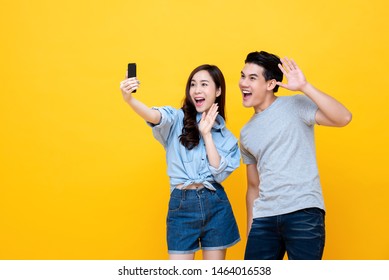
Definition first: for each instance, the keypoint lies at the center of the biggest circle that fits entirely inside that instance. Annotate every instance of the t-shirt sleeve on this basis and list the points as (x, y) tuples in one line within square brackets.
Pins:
[(306, 109), (247, 157)]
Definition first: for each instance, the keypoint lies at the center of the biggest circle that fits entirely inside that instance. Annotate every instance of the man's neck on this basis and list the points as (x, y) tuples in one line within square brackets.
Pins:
[(270, 98)]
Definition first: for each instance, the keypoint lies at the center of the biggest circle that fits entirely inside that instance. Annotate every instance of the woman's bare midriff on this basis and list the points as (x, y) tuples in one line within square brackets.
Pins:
[(190, 187)]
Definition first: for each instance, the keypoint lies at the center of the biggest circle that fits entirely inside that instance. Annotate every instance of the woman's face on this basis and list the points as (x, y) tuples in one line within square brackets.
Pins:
[(203, 91)]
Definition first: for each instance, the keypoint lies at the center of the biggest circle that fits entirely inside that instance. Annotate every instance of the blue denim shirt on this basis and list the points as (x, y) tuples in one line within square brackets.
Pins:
[(191, 166)]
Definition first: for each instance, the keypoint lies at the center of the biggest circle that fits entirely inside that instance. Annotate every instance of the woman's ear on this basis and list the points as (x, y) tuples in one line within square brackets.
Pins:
[(218, 92)]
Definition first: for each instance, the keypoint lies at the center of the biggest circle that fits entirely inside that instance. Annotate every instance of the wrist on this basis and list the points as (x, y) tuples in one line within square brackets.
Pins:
[(207, 136), (306, 88), (128, 98)]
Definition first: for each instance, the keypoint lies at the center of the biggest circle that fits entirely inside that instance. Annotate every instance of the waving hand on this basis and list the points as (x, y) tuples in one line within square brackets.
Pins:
[(295, 77)]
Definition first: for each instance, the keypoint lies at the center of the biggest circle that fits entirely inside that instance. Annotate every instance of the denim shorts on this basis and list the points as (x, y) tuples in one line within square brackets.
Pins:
[(200, 219), (301, 234)]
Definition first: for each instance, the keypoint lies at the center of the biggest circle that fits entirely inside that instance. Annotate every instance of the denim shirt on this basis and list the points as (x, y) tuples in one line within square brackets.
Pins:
[(192, 166)]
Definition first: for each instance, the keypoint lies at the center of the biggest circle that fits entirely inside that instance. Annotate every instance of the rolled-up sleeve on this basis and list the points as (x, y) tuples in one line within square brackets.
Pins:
[(229, 161), (162, 130)]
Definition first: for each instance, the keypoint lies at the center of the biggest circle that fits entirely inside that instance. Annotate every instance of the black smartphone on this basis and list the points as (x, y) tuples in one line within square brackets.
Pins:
[(131, 71)]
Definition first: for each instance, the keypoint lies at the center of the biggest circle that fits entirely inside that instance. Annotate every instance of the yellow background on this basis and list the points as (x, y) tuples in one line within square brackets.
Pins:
[(81, 176)]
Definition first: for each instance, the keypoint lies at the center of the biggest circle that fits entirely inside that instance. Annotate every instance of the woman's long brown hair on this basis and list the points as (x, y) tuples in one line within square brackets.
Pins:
[(190, 136)]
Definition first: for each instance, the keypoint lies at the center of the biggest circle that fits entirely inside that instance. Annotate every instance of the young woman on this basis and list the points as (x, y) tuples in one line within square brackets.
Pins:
[(200, 153)]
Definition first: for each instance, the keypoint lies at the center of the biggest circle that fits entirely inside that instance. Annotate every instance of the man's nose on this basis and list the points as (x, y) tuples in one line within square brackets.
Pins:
[(242, 82)]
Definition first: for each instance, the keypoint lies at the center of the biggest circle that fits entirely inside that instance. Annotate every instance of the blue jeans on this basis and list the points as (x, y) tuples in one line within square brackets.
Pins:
[(200, 219), (301, 234)]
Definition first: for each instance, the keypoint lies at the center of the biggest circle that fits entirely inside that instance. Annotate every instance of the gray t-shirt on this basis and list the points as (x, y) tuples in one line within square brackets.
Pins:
[(280, 141)]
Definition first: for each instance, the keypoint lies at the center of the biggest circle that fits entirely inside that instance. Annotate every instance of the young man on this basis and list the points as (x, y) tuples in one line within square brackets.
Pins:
[(285, 207)]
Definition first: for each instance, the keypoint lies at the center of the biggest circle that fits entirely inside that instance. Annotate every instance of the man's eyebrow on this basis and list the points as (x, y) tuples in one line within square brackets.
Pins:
[(250, 75)]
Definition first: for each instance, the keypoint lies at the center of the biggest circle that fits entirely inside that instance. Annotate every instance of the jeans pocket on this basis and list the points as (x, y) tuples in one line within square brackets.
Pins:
[(221, 195), (314, 211), (174, 204)]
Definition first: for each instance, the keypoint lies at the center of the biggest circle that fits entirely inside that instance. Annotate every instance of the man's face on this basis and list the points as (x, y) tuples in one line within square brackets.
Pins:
[(254, 88)]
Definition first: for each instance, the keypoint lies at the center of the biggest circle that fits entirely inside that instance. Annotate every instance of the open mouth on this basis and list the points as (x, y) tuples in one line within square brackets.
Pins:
[(246, 94), (199, 101)]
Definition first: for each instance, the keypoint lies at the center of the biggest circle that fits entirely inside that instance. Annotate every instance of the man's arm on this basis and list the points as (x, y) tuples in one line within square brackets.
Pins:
[(252, 192), (330, 111)]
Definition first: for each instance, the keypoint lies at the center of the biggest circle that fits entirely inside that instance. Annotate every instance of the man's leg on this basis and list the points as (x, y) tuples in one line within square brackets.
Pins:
[(264, 241), (304, 234)]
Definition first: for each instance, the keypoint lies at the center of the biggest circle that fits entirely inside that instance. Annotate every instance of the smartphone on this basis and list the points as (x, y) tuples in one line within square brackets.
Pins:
[(131, 71)]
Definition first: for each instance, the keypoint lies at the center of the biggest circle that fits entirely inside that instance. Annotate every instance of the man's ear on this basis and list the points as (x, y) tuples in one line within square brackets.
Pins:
[(271, 84)]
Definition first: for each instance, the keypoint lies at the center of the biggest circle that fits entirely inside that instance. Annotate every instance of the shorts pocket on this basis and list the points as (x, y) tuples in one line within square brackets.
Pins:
[(174, 203), (221, 195)]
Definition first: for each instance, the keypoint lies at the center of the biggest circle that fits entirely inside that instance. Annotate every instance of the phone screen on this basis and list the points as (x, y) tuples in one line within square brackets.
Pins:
[(131, 70)]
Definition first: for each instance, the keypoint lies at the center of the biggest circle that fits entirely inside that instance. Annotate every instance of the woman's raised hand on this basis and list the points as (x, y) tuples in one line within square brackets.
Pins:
[(128, 86), (208, 119)]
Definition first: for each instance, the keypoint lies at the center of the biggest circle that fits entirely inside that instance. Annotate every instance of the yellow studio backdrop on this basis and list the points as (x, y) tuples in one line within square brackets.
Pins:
[(81, 176)]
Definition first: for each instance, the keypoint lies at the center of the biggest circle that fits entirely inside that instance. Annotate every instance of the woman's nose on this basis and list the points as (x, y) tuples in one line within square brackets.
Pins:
[(197, 90)]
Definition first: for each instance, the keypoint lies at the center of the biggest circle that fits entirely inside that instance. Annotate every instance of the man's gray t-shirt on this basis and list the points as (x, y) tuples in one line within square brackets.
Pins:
[(280, 141)]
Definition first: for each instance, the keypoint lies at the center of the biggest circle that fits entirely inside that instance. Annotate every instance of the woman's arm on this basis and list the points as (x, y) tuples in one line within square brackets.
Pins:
[(221, 163), (205, 126), (128, 86)]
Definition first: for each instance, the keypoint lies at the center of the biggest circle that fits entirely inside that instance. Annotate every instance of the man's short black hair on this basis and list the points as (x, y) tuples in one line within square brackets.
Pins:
[(269, 62)]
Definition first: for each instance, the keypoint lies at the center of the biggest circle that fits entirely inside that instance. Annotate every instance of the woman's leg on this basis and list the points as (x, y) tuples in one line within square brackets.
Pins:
[(181, 256), (183, 225), (214, 254)]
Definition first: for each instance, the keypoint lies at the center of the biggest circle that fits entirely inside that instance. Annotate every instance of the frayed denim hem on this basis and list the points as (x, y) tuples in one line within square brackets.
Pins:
[(183, 252), (221, 247)]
